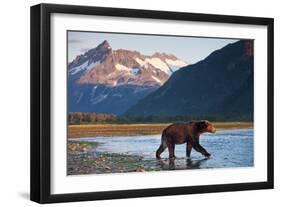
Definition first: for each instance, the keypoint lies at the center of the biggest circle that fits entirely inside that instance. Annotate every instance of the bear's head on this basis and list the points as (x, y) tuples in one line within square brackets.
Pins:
[(205, 126)]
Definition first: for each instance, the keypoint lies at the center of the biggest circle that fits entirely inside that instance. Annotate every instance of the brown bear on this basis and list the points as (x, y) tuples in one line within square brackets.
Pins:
[(188, 133)]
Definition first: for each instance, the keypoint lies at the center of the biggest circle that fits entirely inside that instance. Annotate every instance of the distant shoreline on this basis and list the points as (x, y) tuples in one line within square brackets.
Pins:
[(108, 130)]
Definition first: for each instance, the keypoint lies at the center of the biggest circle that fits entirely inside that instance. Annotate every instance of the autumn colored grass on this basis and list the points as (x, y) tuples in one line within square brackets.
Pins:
[(107, 130)]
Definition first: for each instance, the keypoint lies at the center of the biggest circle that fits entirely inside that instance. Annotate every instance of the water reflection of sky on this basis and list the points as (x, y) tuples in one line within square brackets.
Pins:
[(229, 148)]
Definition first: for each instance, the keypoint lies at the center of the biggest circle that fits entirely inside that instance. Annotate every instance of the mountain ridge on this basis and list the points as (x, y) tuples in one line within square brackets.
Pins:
[(220, 84), (103, 65)]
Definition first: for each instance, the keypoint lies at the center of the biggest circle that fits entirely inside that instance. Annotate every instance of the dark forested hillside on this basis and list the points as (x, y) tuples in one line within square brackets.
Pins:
[(221, 84)]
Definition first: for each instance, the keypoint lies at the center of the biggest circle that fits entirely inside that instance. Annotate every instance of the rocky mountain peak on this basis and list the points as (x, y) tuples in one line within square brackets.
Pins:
[(102, 65), (164, 56), (104, 44)]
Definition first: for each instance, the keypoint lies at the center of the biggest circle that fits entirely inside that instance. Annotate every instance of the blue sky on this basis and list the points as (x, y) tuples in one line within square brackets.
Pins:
[(189, 49)]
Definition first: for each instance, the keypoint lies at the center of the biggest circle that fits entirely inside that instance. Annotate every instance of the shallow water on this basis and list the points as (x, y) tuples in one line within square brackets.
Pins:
[(228, 148)]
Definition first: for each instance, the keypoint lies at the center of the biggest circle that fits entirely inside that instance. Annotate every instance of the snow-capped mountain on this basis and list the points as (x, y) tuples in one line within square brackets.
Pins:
[(102, 65), (104, 80)]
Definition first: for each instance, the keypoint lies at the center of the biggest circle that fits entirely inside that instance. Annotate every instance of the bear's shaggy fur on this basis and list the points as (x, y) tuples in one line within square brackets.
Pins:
[(188, 133)]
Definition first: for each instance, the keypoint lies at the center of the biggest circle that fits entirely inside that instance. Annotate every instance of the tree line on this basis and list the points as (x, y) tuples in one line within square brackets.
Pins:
[(89, 118), (94, 118)]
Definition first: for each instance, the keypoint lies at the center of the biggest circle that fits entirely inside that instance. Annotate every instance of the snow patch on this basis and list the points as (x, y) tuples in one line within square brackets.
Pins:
[(84, 66), (157, 80), (114, 83), (157, 63), (122, 67), (92, 65), (174, 65), (99, 99), (80, 97), (139, 61), (94, 90), (179, 63), (135, 71), (168, 66), (142, 63), (79, 68)]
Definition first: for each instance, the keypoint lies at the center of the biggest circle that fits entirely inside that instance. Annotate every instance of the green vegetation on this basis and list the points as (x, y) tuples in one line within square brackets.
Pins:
[(89, 118), (94, 118)]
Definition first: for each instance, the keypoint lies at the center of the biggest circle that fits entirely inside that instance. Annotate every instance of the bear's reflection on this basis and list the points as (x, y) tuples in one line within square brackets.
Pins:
[(180, 164)]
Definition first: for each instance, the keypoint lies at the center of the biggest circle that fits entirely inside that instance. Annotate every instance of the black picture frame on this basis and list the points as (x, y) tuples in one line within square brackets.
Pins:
[(41, 98)]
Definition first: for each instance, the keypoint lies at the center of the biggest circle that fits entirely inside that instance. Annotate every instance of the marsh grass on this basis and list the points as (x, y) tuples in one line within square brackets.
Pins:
[(109, 130)]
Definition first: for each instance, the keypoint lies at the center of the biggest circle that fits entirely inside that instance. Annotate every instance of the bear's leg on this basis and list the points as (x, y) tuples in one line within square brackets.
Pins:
[(201, 149), (188, 149), (171, 148), (160, 150)]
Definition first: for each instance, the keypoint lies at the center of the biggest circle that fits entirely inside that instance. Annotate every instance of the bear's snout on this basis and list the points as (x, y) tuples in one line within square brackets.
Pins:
[(211, 129)]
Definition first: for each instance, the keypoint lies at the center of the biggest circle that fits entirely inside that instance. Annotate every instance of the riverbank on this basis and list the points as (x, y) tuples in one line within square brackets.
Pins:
[(109, 130), (228, 148), (82, 158)]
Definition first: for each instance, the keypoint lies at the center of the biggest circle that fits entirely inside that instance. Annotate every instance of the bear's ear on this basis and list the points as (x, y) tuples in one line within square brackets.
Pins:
[(201, 125)]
